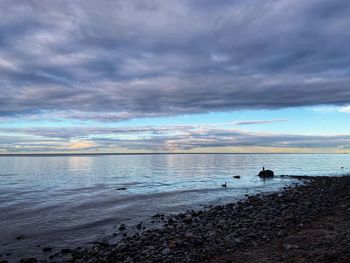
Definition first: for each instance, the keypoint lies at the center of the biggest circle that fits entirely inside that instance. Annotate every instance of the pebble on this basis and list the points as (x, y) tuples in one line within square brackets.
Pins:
[(20, 237), (47, 249), (189, 235), (289, 246), (165, 251), (66, 251), (28, 260)]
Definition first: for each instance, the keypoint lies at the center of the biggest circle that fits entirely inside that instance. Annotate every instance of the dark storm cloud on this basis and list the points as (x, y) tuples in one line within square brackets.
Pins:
[(115, 60), (167, 138)]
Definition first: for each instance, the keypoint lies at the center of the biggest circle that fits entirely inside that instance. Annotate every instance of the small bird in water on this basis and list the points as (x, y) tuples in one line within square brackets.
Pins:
[(224, 185)]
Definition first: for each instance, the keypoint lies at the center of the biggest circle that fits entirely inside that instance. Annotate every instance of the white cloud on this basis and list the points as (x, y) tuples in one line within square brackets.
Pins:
[(345, 109)]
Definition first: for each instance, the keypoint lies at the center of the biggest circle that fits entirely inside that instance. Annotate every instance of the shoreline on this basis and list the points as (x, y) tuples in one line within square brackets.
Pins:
[(236, 231)]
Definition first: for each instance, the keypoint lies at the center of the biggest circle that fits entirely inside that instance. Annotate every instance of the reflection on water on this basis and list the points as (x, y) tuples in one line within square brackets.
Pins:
[(79, 163), (69, 200)]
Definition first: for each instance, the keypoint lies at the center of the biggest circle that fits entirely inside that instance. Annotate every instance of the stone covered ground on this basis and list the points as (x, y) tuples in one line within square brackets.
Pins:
[(306, 223)]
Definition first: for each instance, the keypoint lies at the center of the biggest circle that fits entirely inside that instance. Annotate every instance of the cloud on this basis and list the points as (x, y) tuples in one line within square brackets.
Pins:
[(164, 139), (330, 109), (251, 122), (117, 60), (345, 109)]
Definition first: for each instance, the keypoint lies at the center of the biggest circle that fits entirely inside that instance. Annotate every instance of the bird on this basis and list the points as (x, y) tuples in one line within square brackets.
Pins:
[(224, 185)]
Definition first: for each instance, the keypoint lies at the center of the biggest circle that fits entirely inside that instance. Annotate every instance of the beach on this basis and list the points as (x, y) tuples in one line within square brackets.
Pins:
[(308, 222)]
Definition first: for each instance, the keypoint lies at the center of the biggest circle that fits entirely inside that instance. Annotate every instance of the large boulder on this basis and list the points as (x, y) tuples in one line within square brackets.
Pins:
[(266, 174)]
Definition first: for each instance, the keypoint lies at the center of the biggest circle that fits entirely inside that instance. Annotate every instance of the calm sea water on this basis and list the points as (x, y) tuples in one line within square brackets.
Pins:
[(72, 200)]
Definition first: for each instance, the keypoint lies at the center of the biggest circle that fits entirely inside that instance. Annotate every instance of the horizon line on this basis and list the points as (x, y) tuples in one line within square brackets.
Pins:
[(155, 153)]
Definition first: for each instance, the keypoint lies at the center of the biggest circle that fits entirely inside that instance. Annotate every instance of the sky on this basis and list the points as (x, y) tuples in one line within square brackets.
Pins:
[(174, 76)]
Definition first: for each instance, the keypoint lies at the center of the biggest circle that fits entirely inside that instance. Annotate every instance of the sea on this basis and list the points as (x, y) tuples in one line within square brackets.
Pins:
[(74, 200)]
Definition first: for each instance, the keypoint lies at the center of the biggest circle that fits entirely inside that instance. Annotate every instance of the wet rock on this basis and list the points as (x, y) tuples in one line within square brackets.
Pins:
[(66, 250), (212, 234), (28, 260), (266, 174), (165, 251), (20, 237), (188, 219), (172, 244), (156, 215), (47, 249), (122, 227)]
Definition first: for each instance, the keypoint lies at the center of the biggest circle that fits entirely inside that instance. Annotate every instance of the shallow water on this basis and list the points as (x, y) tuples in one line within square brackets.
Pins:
[(72, 200)]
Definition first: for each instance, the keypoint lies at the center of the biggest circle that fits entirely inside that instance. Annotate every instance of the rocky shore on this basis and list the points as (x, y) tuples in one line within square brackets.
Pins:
[(309, 222)]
